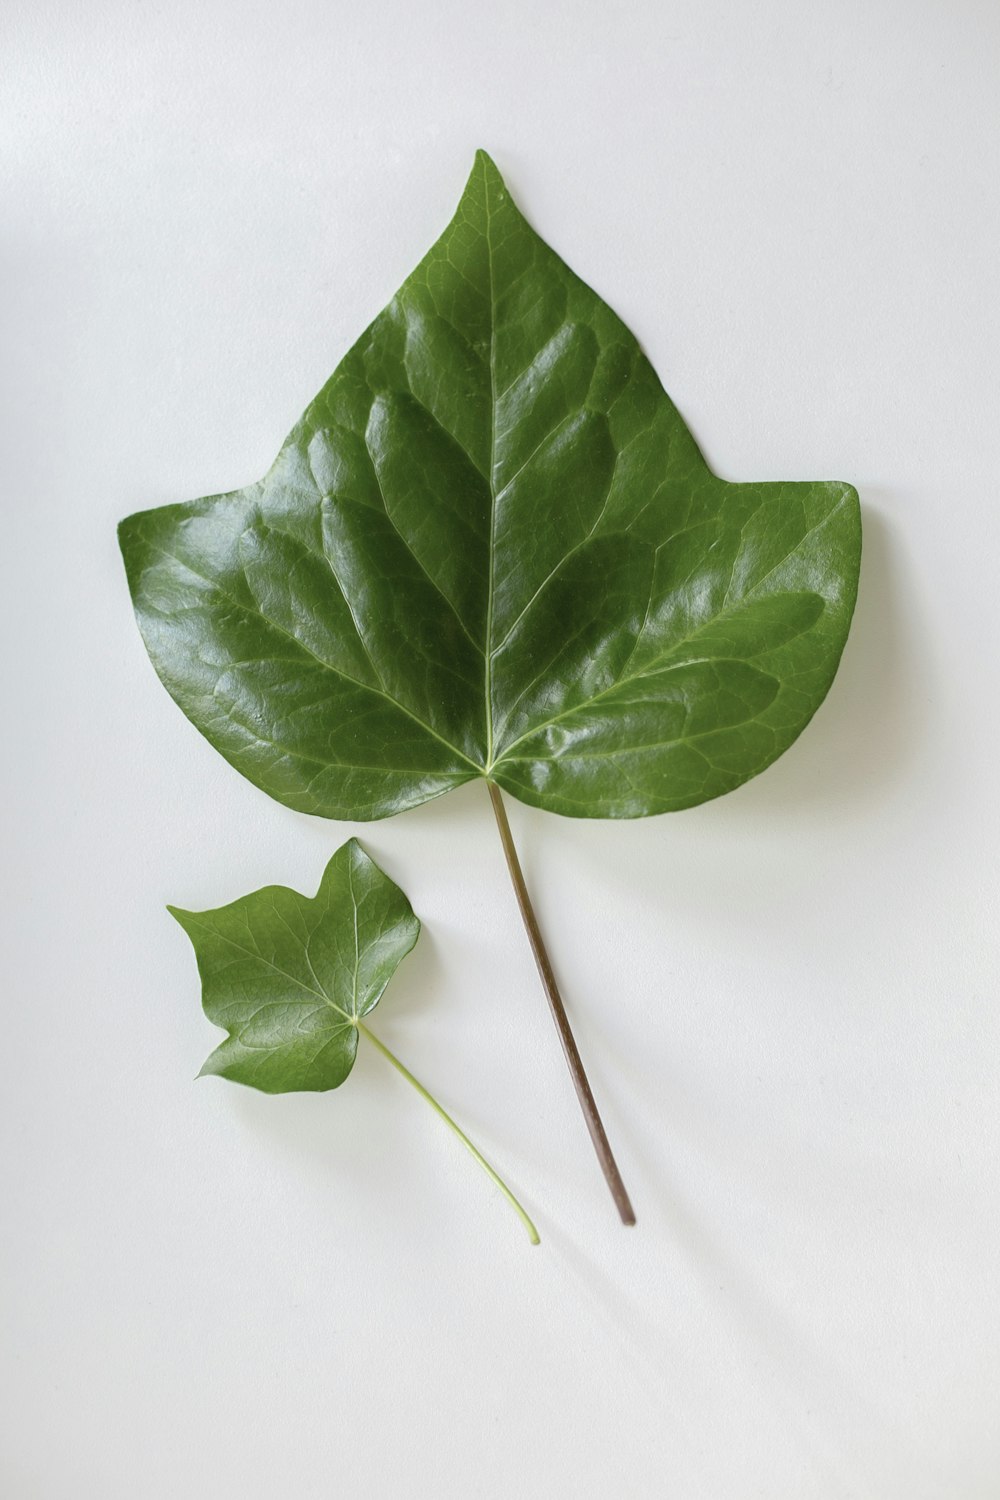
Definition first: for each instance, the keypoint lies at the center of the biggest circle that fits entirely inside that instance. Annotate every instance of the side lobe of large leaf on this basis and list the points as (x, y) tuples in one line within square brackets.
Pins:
[(289, 976), (492, 547)]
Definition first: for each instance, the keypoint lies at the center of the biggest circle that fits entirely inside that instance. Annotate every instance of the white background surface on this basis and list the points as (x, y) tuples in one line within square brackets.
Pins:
[(787, 998)]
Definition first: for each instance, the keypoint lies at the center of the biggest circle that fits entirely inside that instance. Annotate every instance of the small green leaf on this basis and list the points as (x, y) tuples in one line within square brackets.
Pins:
[(290, 977), (491, 548)]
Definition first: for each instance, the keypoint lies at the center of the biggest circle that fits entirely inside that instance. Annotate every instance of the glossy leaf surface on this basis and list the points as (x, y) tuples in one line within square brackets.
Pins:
[(491, 547), (290, 976)]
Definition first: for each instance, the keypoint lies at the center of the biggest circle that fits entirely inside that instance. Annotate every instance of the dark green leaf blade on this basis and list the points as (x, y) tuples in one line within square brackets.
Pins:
[(288, 976), (491, 547)]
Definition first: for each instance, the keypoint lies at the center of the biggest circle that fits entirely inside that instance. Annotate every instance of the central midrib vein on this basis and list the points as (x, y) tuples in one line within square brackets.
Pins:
[(492, 482)]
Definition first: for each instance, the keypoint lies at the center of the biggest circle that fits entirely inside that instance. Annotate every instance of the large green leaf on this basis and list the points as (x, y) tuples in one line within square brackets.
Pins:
[(292, 977), (491, 547)]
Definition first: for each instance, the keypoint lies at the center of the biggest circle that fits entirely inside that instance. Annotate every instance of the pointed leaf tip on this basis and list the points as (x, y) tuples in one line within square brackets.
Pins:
[(486, 169)]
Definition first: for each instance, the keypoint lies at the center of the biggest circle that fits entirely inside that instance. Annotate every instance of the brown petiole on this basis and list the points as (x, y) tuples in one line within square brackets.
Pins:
[(583, 1090)]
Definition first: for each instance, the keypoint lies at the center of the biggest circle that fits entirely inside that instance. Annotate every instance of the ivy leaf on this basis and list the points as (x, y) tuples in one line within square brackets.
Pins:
[(291, 977), (491, 548)]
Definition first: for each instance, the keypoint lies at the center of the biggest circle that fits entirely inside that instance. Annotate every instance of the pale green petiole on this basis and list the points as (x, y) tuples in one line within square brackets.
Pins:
[(446, 1117)]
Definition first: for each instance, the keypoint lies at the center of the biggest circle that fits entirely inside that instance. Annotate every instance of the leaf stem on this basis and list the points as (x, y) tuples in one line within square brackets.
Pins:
[(446, 1117), (584, 1093)]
